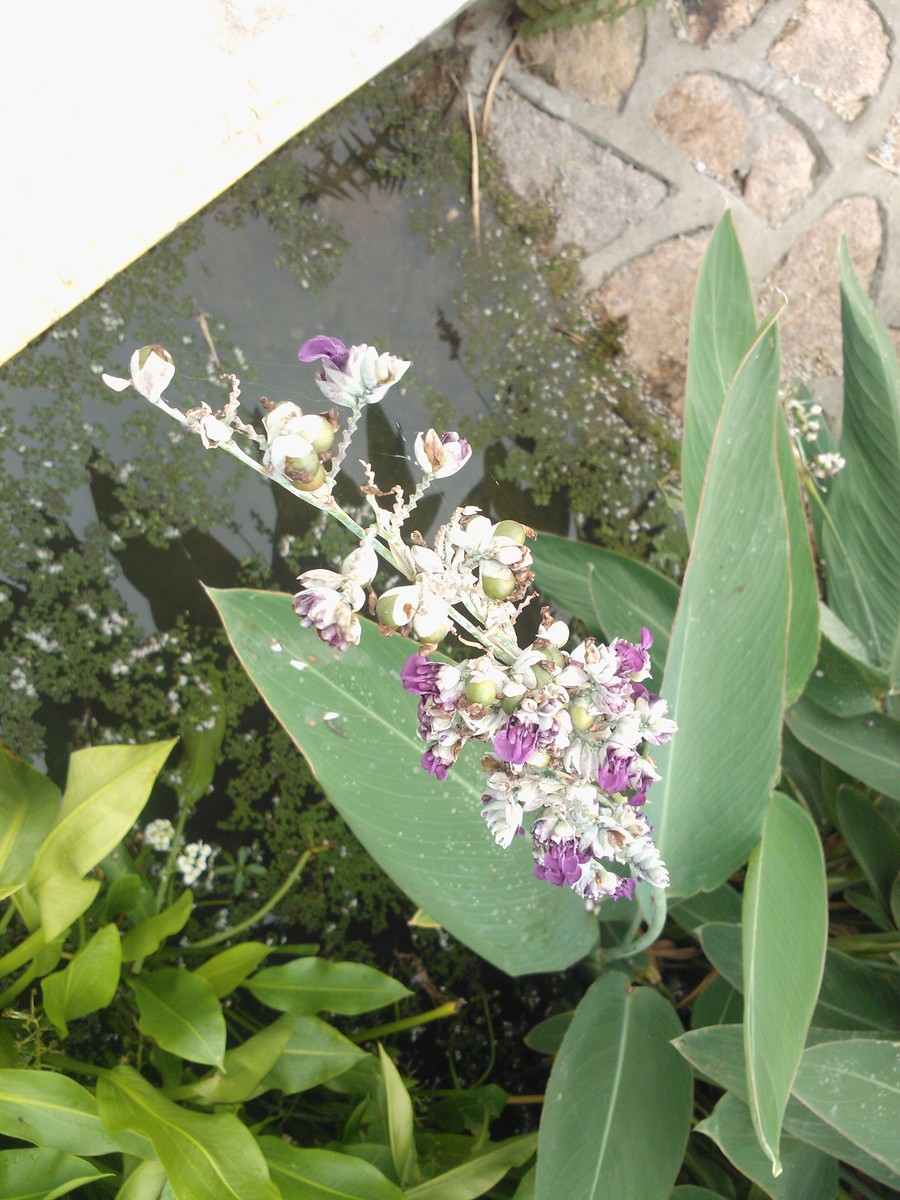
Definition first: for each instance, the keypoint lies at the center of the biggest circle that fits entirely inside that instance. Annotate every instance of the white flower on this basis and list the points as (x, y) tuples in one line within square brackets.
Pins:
[(158, 834)]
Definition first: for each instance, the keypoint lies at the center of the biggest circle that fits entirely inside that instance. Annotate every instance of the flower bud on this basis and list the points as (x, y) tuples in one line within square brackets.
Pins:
[(441, 456), (539, 759), (430, 624), (318, 431), (361, 565), (292, 455), (581, 718), (396, 606)]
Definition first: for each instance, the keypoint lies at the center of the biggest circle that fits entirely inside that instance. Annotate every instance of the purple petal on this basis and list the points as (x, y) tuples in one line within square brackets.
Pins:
[(322, 346), (419, 675), (515, 743)]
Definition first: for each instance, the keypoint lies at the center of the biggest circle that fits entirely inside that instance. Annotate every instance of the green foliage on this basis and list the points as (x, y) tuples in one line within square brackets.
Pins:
[(543, 15)]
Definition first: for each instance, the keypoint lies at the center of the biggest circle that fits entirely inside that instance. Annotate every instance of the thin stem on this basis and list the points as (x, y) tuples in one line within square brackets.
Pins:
[(654, 929), (8, 915), (225, 934), (404, 1023), (22, 953), (18, 987), (53, 1058), (343, 446)]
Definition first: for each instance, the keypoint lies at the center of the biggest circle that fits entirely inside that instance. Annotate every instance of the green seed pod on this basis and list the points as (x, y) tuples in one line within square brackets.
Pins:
[(308, 481), (497, 581), (581, 718), (481, 691), (512, 530), (509, 704)]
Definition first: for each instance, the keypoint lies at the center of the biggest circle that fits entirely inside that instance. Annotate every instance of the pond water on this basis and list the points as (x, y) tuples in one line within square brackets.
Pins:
[(110, 518)]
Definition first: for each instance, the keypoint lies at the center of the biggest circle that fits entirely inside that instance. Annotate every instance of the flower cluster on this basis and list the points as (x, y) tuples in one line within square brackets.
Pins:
[(193, 861), (566, 731)]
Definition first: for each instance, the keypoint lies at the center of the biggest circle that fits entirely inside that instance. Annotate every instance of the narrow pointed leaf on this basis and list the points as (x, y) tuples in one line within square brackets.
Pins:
[(785, 929), (854, 1086), (314, 1053), (863, 552), (400, 1125), (723, 326), (29, 802), (88, 983), (873, 841), (54, 1111), (726, 668), (324, 1175), (311, 985), (807, 1175), (182, 1015), (246, 1066), (146, 1182), (428, 836), (106, 790), (476, 1176), (616, 1052), (205, 1157)]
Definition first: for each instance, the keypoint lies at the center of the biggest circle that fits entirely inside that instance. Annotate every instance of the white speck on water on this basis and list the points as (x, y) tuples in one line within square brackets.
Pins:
[(275, 645), (300, 666)]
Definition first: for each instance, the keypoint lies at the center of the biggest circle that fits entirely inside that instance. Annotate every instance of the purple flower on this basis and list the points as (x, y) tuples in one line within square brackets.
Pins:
[(613, 775), (561, 863), (625, 890), (515, 742), (323, 609), (419, 675), (433, 765), (321, 346), (634, 658)]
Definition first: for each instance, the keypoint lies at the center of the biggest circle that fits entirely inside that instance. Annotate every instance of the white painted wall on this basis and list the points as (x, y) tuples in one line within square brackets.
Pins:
[(121, 118)]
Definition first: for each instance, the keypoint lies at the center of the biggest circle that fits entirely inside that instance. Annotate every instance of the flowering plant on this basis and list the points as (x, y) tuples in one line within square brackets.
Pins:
[(567, 731)]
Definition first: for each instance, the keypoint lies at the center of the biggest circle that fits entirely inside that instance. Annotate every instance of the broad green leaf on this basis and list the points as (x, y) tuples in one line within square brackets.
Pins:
[(181, 1013), (310, 985), (147, 937), (106, 790), (399, 1121), (862, 551), (783, 960), (428, 836), (88, 983), (853, 994), (844, 685), (717, 1052), (477, 1175), (54, 1111), (723, 326), (867, 747), (547, 1036), (146, 1182), (324, 1175), (873, 841), (717, 1004), (725, 672), (228, 969), (807, 1175), (723, 904), (525, 1190), (246, 1065), (29, 802), (314, 1053), (614, 595), (687, 1191), (616, 1052), (855, 1087), (42, 1174), (205, 1157)]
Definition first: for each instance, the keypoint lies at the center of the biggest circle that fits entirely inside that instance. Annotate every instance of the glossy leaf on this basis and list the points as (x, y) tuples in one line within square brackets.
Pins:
[(324, 1175), (181, 1013), (547, 1036), (228, 969), (723, 327), (723, 904), (88, 983), (717, 1004), (687, 1191), (146, 1182), (35, 1174), (717, 1052), (246, 1066), (615, 596), (106, 789), (314, 1053), (310, 985), (855, 1087), (428, 836), (399, 1121), (205, 1157), (867, 747), (863, 552), (54, 1111), (29, 802), (477, 1175), (872, 840), (616, 1052), (842, 684), (147, 937), (785, 928), (726, 669), (807, 1175)]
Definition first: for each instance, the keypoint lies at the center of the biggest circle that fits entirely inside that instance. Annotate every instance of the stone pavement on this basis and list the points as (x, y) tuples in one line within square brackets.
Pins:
[(636, 136)]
